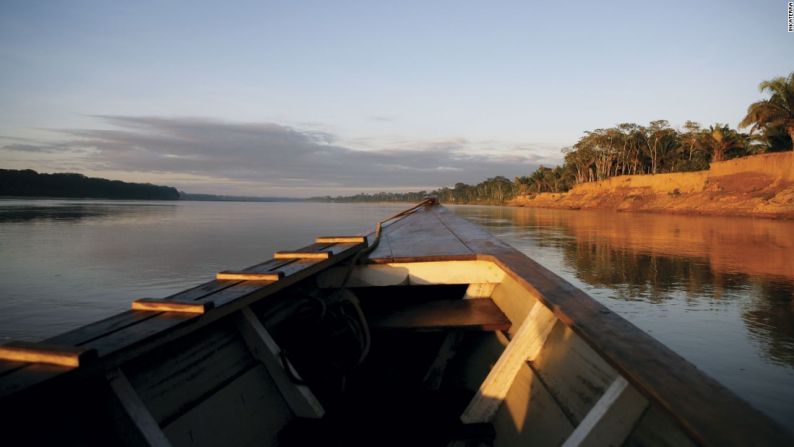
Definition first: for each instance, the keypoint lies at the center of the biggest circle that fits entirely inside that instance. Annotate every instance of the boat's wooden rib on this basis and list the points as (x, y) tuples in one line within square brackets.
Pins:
[(576, 375), (178, 376), (529, 415), (299, 397), (481, 315), (435, 374), (656, 428), (524, 347), (248, 412), (479, 290), (612, 418), (136, 411)]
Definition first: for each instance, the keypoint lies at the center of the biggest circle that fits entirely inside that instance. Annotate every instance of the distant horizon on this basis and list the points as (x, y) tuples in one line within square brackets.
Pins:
[(202, 193), (302, 100)]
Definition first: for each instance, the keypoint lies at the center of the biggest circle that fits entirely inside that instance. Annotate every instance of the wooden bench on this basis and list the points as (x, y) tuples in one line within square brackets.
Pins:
[(472, 314)]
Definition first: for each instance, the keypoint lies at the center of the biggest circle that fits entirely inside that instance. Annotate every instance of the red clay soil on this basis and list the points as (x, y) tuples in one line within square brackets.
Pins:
[(757, 186)]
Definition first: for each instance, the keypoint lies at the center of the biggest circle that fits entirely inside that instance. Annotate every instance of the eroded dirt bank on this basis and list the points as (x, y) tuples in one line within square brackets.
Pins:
[(759, 186)]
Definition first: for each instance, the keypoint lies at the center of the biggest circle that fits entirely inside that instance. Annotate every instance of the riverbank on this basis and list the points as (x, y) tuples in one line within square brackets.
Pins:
[(756, 186)]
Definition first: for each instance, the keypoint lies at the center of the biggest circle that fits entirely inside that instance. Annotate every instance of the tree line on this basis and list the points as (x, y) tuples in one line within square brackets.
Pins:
[(634, 149), (29, 183)]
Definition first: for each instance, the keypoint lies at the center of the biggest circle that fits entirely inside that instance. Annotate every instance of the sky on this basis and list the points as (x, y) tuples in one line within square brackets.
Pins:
[(311, 98)]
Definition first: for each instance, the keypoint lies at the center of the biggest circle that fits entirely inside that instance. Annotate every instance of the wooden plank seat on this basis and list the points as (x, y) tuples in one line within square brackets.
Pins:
[(475, 314)]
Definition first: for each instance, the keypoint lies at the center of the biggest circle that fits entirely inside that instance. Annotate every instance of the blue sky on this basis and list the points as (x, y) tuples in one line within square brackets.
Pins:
[(303, 98)]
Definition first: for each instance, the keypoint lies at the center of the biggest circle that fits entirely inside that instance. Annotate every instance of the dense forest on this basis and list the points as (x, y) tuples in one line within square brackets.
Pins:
[(30, 183), (630, 149)]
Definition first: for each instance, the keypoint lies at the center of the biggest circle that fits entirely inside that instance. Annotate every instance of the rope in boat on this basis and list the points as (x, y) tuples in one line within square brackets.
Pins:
[(340, 309), (352, 299)]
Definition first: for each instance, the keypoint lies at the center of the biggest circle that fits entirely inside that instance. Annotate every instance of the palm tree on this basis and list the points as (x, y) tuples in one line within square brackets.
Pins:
[(720, 140), (775, 112)]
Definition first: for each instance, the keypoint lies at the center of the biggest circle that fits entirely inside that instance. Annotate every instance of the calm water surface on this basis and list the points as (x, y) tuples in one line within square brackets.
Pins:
[(719, 291)]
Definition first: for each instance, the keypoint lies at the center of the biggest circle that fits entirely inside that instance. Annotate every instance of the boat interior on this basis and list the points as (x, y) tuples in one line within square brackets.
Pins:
[(406, 354)]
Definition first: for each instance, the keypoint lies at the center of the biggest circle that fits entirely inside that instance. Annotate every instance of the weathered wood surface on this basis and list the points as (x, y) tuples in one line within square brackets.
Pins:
[(178, 376), (708, 411), (161, 305), (299, 397), (479, 290), (479, 314), (576, 375), (340, 239), (435, 373), (657, 429), (249, 411), (612, 418), (137, 413), (127, 335), (421, 236), (281, 255), (27, 352), (242, 275), (528, 415), (524, 347), (484, 273)]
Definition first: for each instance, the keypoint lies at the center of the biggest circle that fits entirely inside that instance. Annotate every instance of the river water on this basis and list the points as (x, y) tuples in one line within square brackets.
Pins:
[(719, 291)]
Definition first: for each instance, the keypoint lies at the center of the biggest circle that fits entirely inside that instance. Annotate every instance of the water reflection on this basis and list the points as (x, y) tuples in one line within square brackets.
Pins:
[(732, 245), (20, 211), (770, 316), (719, 291)]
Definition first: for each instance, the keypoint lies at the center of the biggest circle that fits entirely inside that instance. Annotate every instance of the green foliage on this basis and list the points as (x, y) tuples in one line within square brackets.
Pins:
[(722, 142), (28, 183), (773, 118)]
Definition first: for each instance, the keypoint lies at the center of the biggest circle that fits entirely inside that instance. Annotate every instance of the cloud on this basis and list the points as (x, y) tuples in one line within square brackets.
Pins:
[(40, 148), (271, 154)]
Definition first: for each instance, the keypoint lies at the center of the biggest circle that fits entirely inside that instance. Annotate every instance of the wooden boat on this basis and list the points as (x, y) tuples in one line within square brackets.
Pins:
[(439, 334)]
